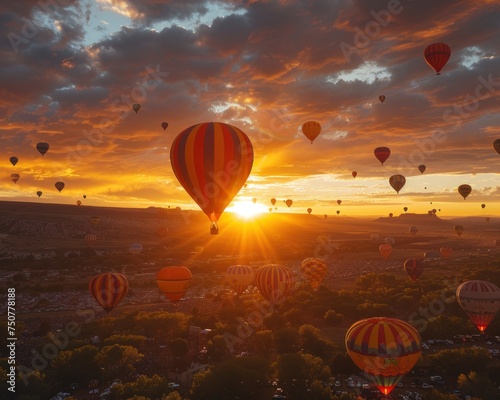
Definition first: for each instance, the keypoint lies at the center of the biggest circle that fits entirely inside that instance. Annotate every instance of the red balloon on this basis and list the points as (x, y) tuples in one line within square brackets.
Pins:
[(437, 55), (414, 268), (108, 289), (382, 153)]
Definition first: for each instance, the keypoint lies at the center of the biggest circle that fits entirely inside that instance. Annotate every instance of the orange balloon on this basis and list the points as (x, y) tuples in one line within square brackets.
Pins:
[(311, 130), (174, 282), (385, 249)]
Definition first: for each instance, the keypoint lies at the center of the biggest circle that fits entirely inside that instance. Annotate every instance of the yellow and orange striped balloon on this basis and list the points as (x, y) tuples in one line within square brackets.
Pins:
[(239, 277), (174, 282), (386, 349), (108, 289), (314, 270)]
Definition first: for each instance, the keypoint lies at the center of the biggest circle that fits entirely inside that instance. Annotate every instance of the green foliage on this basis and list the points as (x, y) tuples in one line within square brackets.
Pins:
[(478, 385), (150, 387), (460, 361)]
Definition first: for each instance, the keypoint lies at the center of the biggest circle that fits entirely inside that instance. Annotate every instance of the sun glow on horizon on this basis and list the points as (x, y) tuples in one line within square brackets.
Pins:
[(247, 209)]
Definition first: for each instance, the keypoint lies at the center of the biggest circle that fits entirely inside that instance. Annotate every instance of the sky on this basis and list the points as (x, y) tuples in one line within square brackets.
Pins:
[(70, 71)]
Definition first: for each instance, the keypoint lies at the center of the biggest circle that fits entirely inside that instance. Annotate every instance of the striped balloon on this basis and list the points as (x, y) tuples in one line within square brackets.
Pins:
[(173, 282), (90, 239), (397, 182), (239, 277), (108, 289), (414, 268), (386, 349), (437, 55), (314, 270), (480, 300), (212, 161), (445, 251), (274, 282)]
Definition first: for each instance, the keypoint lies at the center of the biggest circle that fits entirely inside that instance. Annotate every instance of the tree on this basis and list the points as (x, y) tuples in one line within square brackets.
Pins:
[(312, 343), (286, 340), (118, 361), (263, 342), (460, 361), (478, 385), (78, 365), (333, 318), (179, 347)]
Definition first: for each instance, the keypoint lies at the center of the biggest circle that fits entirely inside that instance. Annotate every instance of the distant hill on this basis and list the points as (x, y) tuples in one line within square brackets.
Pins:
[(415, 219)]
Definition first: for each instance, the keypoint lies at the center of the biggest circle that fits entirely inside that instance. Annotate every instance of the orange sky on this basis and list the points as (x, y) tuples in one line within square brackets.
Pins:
[(69, 77)]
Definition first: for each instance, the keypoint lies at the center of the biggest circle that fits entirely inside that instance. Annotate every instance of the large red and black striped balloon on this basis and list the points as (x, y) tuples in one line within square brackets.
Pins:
[(212, 161), (382, 153), (437, 55), (108, 289), (414, 268)]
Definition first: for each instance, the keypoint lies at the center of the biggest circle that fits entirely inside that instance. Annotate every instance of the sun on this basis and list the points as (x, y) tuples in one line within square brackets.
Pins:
[(247, 209)]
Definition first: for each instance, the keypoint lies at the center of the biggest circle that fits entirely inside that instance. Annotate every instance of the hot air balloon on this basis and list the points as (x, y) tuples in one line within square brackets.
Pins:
[(483, 205), (135, 248), (254, 200), (164, 125), (413, 230), (458, 229), (397, 182), (390, 240), (94, 221), (136, 107), (381, 98), (42, 148), (212, 161), (173, 282), (78, 203), (496, 145), (39, 193), (374, 237), (325, 216), (270, 209), (382, 154), (314, 270), (14, 177), (354, 174), (59, 186), (309, 210), (445, 252), (84, 196), (464, 190), (273, 201), (289, 203), (405, 209), (339, 202), (274, 282), (422, 168), (480, 300), (90, 239), (437, 55), (414, 268), (311, 130), (14, 160), (385, 249), (239, 277), (338, 212), (386, 349), (108, 289), (390, 215)]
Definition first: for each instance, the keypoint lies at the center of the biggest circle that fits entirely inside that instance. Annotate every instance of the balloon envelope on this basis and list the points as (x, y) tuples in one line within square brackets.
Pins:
[(42, 147), (90, 239), (413, 230), (437, 55), (273, 201), (422, 168), (239, 277), (385, 249), (135, 248), (311, 130), (164, 125), (14, 160), (108, 289), (354, 174), (445, 251), (274, 282), (480, 300), (382, 153), (39, 193), (386, 349), (136, 107), (496, 145), (309, 210), (414, 268), (212, 161), (59, 186), (464, 190), (381, 98), (397, 182), (458, 229), (14, 177), (173, 282), (254, 200), (483, 205), (314, 270), (289, 203)]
